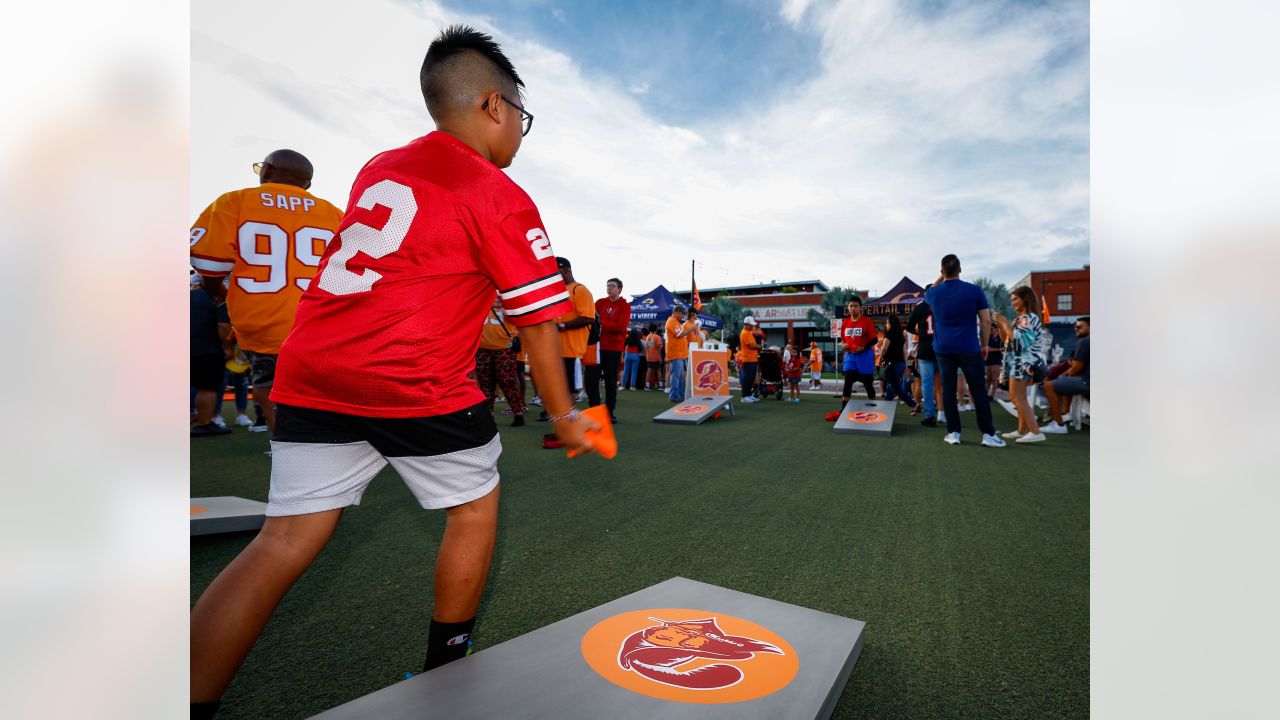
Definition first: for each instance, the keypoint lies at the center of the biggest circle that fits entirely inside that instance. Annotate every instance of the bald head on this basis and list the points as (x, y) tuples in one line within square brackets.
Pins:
[(288, 167), (462, 66)]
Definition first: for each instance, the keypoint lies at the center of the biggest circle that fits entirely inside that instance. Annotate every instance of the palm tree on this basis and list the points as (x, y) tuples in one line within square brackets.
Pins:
[(997, 296), (729, 312)]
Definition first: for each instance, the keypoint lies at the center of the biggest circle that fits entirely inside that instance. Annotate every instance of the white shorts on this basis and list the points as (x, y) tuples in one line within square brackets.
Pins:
[(815, 375), (323, 460)]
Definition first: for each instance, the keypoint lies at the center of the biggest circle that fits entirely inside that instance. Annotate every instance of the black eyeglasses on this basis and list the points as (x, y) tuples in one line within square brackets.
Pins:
[(526, 118)]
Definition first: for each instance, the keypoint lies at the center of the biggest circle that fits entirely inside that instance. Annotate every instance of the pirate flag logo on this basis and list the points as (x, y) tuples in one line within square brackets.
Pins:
[(661, 651), (689, 655), (708, 377)]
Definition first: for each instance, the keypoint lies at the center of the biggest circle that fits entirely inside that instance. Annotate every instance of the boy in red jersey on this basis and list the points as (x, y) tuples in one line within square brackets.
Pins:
[(375, 370), (859, 336)]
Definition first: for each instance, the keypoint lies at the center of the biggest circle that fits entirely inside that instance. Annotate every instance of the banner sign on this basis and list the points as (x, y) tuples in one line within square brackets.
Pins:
[(709, 372), (782, 313)]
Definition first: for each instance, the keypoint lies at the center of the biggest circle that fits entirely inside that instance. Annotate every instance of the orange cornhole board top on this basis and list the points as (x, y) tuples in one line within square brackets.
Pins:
[(680, 649), (709, 372), (211, 515)]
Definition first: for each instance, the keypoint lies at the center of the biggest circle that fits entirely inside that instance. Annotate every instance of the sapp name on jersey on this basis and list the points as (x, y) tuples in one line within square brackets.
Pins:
[(286, 202)]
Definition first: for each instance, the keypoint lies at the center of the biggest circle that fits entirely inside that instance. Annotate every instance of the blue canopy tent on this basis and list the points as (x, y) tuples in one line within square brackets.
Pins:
[(655, 307)]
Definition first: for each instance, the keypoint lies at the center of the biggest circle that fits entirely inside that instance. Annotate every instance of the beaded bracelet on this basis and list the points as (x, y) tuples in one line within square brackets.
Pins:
[(571, 415)]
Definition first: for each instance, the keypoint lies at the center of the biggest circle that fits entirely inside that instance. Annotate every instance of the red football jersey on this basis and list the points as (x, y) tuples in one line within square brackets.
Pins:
[(391, 323), (858, 334)]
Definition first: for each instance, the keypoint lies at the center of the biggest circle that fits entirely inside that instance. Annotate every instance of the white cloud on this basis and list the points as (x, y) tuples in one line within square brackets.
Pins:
[(793, 10), (918, 137)]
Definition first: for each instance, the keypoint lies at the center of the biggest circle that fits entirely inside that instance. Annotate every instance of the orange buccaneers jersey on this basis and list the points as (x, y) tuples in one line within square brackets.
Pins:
[(269, 239)]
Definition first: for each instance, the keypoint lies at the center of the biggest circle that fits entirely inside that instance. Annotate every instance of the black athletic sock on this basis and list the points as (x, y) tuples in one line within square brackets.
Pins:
[(204, 710), (447, 642)]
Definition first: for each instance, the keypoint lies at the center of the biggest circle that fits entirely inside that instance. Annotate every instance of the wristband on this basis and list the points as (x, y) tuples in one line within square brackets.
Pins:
[(571, 415)]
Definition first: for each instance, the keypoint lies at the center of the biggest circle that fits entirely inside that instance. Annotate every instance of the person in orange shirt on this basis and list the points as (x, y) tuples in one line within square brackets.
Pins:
[(591, 373), (653, 347), (269, 239), (749, 355), (815, 366), (574, 326), (496, 364), (678, 329)]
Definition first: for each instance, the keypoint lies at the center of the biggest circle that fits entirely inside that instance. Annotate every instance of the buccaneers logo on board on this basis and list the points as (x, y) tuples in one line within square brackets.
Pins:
[(690, 656), (708, 377)]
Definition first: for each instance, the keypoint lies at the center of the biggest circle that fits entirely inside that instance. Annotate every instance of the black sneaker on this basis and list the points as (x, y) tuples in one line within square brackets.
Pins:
[(929, 422), (518, 422), (209, 430), (543, 416)]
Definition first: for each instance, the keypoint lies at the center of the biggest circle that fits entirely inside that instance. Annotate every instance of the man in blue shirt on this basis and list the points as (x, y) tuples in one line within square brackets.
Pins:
[(961, 328)]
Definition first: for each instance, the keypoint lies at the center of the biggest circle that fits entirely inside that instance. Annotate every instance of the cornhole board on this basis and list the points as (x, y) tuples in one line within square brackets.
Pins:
[(226, 514), (867, 417), (783, 661), (695, 410)]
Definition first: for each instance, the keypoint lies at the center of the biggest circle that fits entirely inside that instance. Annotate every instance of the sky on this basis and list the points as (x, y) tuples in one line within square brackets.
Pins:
[(852, 142)]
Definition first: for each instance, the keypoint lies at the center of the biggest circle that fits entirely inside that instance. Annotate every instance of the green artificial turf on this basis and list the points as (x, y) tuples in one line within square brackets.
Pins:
[(969, 565)]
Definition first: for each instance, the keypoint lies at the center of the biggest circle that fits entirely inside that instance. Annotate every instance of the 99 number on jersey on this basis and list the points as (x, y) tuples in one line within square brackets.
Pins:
[(276, 258)]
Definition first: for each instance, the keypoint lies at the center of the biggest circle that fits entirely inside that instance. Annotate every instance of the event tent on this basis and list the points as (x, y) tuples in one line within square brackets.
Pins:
[(655, 307), (900, 300)]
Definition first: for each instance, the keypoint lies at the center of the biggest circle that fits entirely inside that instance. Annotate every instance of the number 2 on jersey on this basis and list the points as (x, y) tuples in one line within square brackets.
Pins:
[(360, 238)]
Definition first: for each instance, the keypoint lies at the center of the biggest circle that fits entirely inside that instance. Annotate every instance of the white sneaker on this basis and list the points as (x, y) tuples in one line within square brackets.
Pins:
[(1013, 435), (243, 420), (952, 439), (582, 396), (259, 428), (966, 408), (1054, 429), (750, 399), (536, 401), (217, 420), (993, 441), (942, 418), (1009, 407), (1029, 438)]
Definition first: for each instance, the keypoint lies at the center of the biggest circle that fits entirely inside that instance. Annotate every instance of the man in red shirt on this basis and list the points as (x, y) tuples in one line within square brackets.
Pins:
[(375, 370), (615, 318)]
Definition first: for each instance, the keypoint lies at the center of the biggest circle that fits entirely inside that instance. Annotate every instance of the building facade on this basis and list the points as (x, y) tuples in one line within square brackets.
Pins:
[(1067, 291), (781, 308)]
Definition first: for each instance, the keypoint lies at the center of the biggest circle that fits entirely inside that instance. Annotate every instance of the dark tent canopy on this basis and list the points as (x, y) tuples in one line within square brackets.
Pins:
[(900, 299)]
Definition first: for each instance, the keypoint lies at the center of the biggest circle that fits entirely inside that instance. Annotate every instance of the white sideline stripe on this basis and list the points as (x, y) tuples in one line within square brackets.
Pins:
[(525, 310), (211, 265), (537, 285)]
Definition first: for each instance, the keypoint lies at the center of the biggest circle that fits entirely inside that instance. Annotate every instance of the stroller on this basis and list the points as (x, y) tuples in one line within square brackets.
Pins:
[(770, 370)]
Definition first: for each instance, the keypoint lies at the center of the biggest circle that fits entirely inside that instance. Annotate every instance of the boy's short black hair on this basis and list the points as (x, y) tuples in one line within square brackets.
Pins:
[(461, 65), (950, 265), (855, 298)]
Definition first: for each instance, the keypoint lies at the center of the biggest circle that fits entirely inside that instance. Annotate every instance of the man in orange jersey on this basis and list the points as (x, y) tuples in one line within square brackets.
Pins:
[(678, 329), (269, 239)]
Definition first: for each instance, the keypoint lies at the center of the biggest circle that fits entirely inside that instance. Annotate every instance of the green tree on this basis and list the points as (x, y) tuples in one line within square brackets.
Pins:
[(836, 297), (729, 312), (997, 296)]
